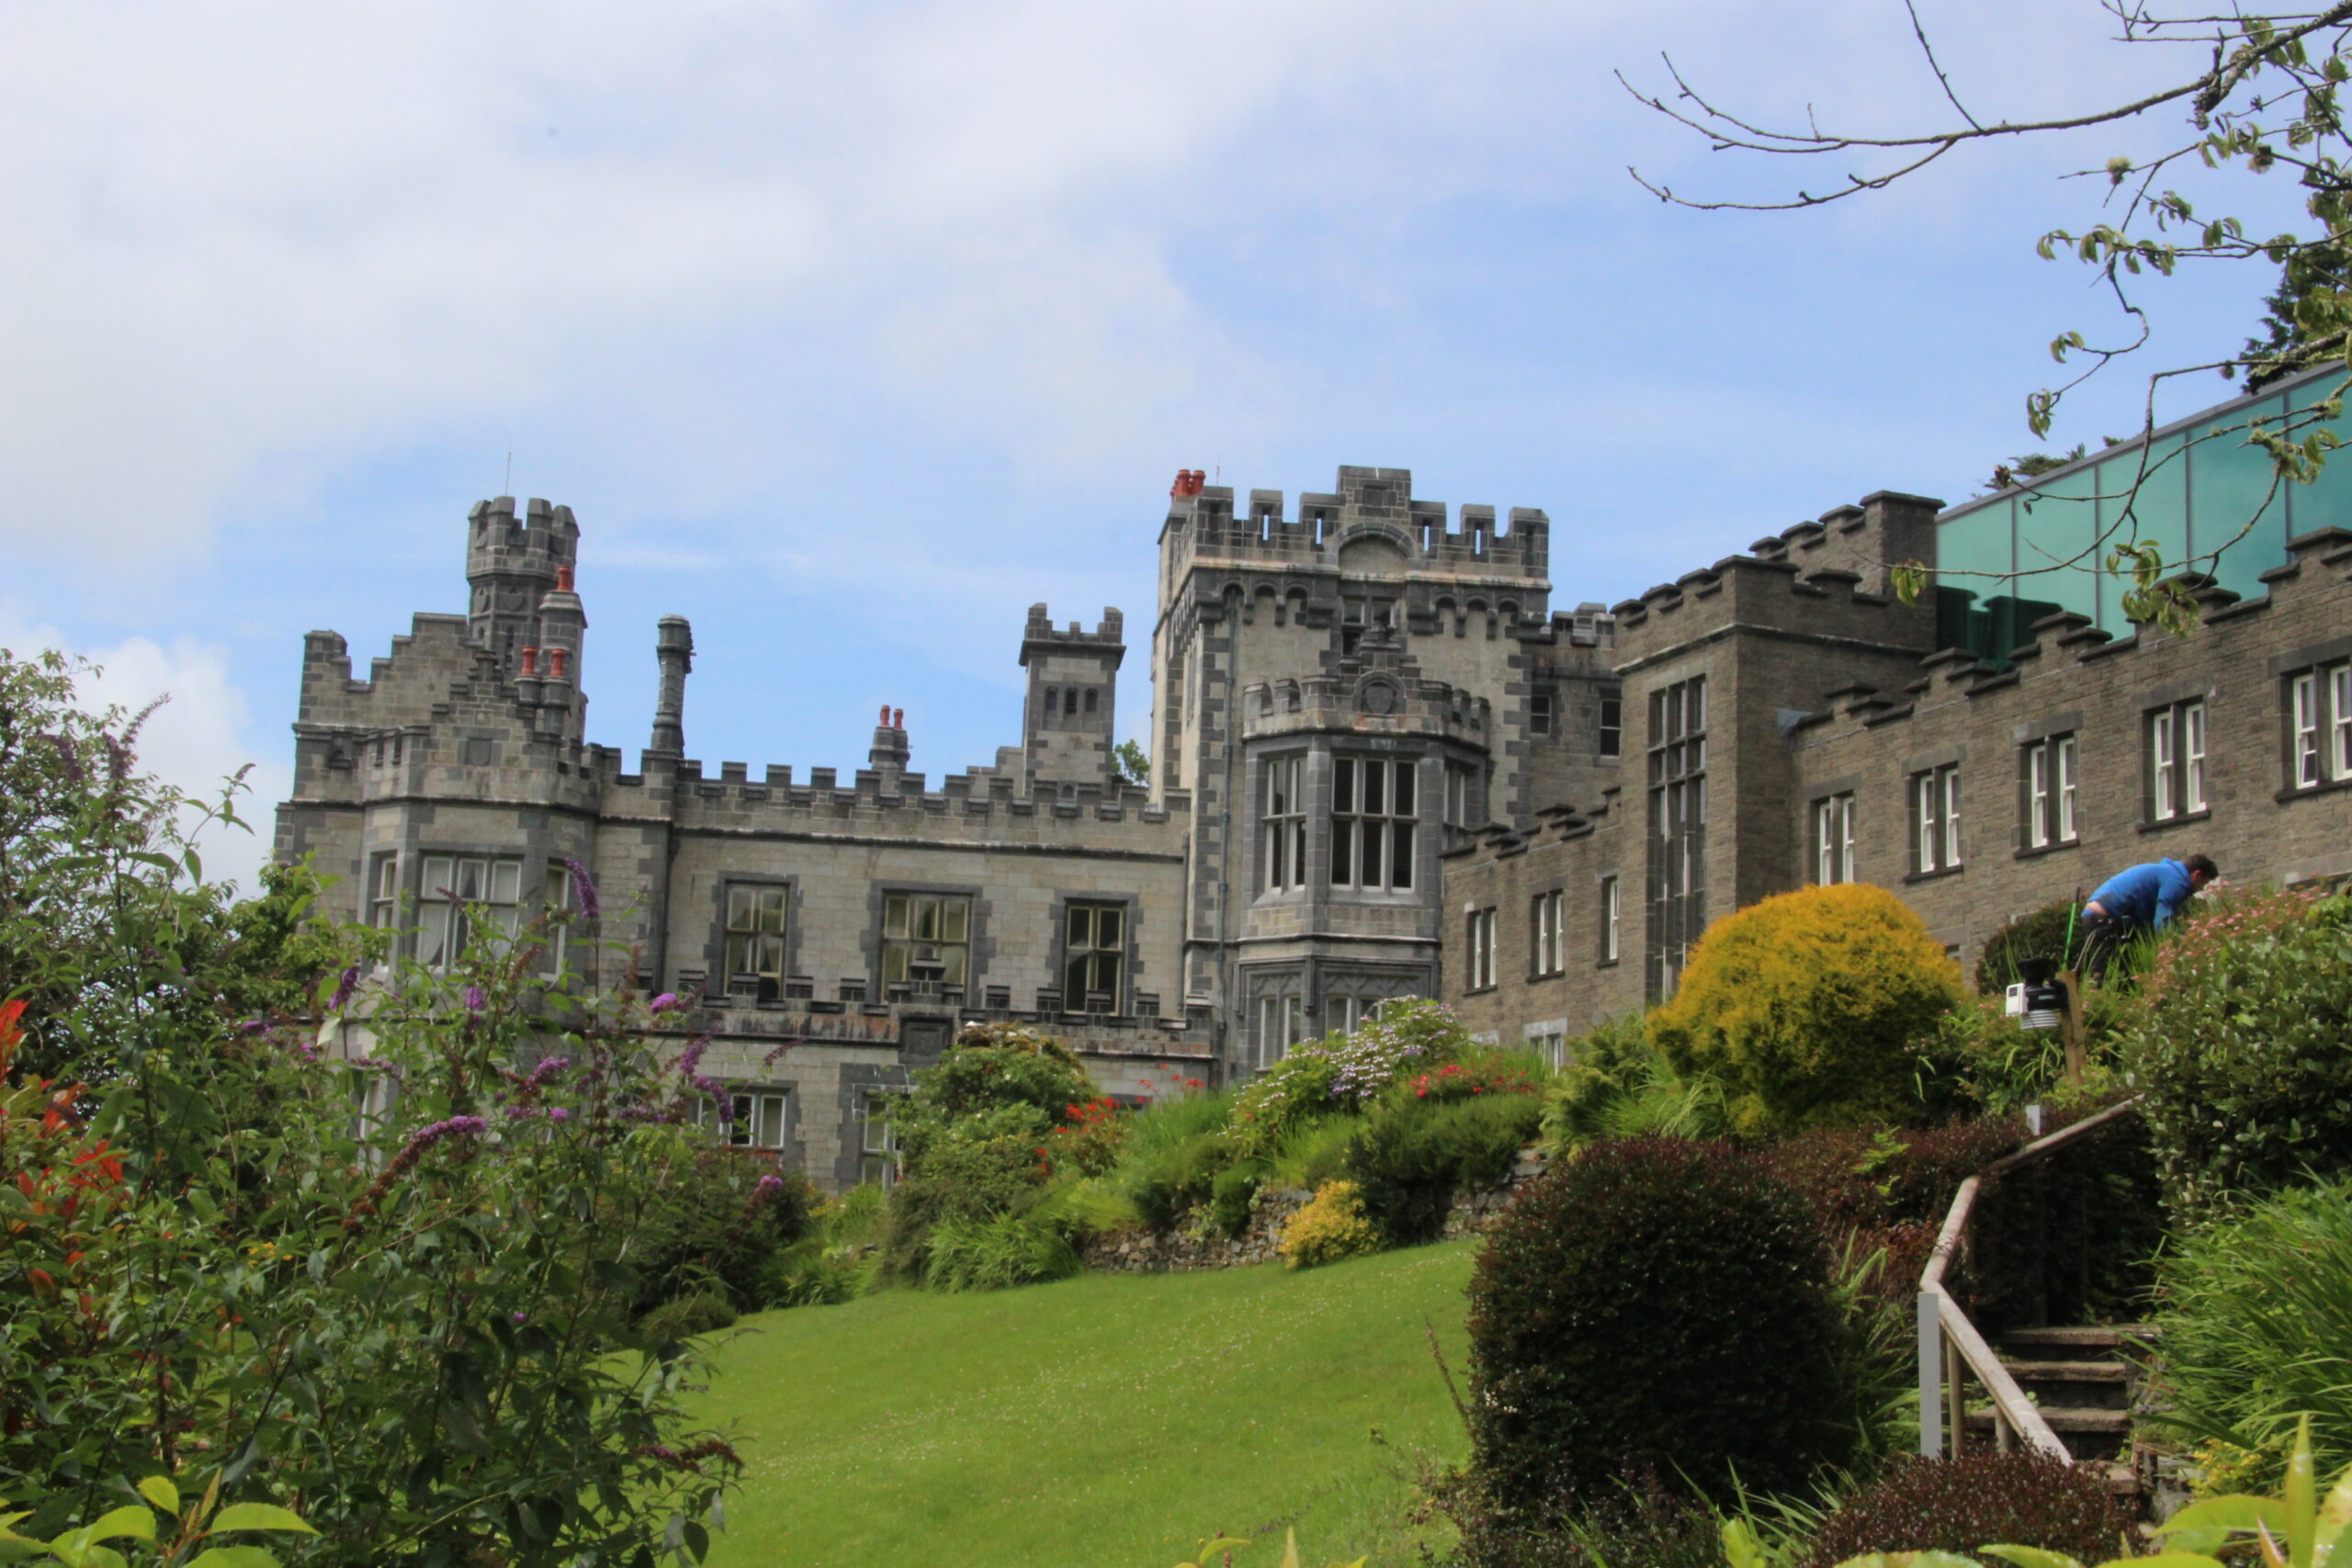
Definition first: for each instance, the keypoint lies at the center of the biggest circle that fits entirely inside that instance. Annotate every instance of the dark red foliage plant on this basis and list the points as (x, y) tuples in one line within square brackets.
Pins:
[(2021, 1499)]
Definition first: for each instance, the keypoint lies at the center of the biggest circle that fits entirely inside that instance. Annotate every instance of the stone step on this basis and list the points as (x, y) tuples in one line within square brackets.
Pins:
[(2065, 1418), (2067, 1371), (2087, 1336), (2120, 1476)]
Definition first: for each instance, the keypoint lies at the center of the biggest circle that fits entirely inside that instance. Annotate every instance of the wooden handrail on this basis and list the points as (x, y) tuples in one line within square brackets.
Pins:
[(1947, 1339)]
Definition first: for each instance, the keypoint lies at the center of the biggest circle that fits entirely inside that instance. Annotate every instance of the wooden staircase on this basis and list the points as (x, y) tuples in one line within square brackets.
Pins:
[(2083, 1380)]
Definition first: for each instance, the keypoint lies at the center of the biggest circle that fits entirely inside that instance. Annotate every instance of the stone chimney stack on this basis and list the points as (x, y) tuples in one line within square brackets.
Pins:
[(673, 647)]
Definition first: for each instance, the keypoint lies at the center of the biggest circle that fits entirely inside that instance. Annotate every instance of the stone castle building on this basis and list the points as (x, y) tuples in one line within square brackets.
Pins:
[(1336, 706), (1383, 765), (2010, 740)]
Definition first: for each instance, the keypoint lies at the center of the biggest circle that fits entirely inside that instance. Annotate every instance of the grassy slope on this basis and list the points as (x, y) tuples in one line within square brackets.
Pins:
[(1106, 1421)]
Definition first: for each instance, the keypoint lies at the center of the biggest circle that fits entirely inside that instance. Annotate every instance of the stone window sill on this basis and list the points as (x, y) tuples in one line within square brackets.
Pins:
[(2037, 853), (1936, 876), (2182, 821), (2325, 786)]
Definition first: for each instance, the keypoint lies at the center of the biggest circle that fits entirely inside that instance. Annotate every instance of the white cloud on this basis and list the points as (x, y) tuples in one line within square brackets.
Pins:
[(191, 741)]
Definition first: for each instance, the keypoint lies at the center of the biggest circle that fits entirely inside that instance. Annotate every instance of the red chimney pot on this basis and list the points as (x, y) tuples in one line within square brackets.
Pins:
[(563, 580), (897, 718), (530, 661), (555, 662)]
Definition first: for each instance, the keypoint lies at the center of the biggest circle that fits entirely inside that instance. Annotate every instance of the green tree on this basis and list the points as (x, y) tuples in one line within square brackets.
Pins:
[(1134, 768), (2264, 100)]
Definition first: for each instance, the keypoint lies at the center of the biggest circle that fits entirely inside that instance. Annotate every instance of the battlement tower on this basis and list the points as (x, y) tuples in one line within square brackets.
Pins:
[(510, 567), (1069, 721)]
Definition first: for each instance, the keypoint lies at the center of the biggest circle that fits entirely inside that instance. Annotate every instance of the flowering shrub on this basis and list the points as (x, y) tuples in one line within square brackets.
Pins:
[(1462, 1080), (411, 1318), (1088, 1140), (1326, 1228), (2238, 1046), (1345, 1072), (1412, 1156)]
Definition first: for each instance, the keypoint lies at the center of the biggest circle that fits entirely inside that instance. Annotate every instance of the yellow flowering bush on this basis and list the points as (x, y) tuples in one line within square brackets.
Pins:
[(1330, 1226), (1816, 1007)]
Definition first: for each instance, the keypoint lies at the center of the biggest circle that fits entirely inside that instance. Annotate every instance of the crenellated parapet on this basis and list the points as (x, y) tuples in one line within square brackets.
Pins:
[(1373, 523)]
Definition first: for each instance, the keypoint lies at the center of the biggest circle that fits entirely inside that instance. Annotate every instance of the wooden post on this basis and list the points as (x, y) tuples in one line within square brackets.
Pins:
[(1931, 1357), (2070, 1024), (1957, 1413)]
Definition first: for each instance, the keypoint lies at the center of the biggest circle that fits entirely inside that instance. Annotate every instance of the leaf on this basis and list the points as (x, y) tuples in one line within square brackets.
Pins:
[(1290, 1547), (159, 1490), (1741, 1548), (2030, 1556), (133, 1524), (259, 1516), (2303, 1497), (2207, 1526), (234, 1557), (697, 1540)]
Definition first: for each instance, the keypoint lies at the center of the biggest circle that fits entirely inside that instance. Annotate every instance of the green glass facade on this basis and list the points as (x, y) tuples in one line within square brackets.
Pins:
[(2196, 489)]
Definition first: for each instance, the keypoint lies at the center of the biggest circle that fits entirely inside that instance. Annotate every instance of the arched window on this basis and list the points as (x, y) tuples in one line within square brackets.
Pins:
[(1089, 699)]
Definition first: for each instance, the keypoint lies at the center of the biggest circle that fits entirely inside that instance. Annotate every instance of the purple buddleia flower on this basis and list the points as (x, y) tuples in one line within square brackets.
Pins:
[(521, 1317), (549, 1066), (663, 1003), (252, 1026), (475, 1000), (583, 889), (344, 987), (558, 1114), (69, 759), (690, 1059)]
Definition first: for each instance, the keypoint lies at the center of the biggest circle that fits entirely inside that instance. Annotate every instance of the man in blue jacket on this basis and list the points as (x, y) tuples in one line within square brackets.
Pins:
[(2137, 900)]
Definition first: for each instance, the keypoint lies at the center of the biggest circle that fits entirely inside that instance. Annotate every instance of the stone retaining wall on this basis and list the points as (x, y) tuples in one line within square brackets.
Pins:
[(1187, 1248)]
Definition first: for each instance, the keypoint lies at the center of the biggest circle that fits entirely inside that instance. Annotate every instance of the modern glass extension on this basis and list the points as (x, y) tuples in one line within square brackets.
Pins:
[(2197, 487)]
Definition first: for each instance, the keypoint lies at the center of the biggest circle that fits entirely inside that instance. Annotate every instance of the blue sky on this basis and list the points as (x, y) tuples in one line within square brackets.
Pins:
[(850, 331)]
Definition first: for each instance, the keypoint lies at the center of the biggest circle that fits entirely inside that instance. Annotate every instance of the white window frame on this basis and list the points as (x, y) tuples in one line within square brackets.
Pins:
[(555, 897), (453, 886), (1460, 780), (2176, 760), (1284, 820), (1609, 913), (1833, 839), (1935, 809), (1545, 916), (2339, 682), (1481, 944), (1375, 820), (2050, 791)]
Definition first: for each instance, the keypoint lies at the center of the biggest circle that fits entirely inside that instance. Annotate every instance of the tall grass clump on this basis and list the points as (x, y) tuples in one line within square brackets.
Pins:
[(2256, 1314)]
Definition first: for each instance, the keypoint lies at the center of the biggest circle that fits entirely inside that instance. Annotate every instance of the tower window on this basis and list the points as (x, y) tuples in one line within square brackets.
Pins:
[(1090, 700), (926, 937), (755, 942), (1285, 817), (1375, 816), (1069, 703)]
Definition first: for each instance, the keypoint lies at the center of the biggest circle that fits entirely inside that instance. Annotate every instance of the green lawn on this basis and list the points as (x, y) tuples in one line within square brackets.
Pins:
[(1109, 1421)]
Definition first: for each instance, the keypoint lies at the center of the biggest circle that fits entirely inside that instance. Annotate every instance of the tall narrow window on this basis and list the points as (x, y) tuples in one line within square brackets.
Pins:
[(1373, 819), (754, 955), (877, 1162), (458, 893), (1479, 949), (1612, 720), (1544, 928), (1609, 920), (2339, 682), (926, 937), (1286, 825), (555, 900), (1461, 794), (1094, 957), (2047, 791), (2176, 760), (1833, 839), (384, 892), (2306, 766), (1935, 819), (1677, 833)]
